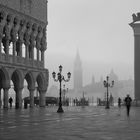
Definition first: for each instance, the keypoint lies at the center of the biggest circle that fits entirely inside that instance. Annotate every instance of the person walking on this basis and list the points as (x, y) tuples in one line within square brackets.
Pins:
[(119, 102), (128, 101), (10, 102)]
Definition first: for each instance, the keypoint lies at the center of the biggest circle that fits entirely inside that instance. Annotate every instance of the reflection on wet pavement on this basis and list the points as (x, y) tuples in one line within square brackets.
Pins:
[(76, 123)]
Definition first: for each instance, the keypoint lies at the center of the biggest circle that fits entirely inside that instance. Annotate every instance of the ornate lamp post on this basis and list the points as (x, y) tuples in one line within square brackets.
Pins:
[(64, 93), (60, 78), (107, 85)]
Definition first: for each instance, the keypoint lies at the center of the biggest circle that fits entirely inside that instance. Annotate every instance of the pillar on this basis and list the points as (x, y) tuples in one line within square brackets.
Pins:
[(136, 29), (0, 48), (0, 99), (20, 48), (27, 51), (32, 97), (32, 53), (14, 48), (18, 98), (42, 99), (5, 98), (7, 46), (37, 54), (42, 56)]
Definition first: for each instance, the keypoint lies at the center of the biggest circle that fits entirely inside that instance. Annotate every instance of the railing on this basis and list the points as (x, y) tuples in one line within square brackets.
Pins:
[(21, 61)]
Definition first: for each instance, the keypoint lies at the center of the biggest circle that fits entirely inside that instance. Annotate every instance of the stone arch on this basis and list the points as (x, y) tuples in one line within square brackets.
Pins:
[(30, 80), (40, 81), (4, 78), (17, 78)]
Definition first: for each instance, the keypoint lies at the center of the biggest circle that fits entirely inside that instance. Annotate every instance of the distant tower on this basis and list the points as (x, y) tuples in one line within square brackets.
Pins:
[(78, 72), (136, 28), (93, 80)]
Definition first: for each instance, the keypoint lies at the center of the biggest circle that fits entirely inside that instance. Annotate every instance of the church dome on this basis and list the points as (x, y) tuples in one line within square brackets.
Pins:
[(113, 76)]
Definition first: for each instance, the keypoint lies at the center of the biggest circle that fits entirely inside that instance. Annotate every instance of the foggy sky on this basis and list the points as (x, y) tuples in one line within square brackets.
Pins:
[(99, 29)]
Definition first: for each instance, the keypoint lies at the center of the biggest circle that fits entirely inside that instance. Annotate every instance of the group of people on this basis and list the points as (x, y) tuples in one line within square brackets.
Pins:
[(127, 101)]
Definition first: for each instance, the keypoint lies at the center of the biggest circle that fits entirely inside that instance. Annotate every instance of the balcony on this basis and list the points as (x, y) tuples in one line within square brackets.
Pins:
[(21, 61)]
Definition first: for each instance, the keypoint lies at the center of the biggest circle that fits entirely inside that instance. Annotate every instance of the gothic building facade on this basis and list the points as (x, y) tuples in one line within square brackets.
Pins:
[(22, 46)]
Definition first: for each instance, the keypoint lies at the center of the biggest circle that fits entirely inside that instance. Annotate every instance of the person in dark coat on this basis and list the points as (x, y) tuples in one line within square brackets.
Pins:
[(119, 102), (128, 101), (10, 102)]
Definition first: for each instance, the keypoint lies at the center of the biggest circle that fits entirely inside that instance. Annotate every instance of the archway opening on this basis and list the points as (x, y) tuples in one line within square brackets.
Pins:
[(12, 94)]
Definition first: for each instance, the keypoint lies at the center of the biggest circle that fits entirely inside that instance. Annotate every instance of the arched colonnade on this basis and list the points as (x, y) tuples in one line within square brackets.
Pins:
[(18, 76)]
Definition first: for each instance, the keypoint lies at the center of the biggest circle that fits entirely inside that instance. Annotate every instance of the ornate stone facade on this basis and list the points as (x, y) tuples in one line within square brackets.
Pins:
[(22, 47)]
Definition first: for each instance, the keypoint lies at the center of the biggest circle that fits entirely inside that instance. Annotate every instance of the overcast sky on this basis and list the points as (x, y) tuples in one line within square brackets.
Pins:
[(99, 29)]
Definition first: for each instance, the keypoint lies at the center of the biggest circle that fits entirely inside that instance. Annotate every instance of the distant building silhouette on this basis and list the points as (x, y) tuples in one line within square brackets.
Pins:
[(78, 73), (113, 76)]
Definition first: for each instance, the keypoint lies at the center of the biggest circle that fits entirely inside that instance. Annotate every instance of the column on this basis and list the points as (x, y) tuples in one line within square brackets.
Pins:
[(32, 52), (42, 56), (20, 48), (32, 97), (14, 48), (19, 45), (18, 97), (42, 98), (136, 29), (137, 66), (27, 51), (0, 48), (7, 46), (37, 54), (0, 99), (5, 98)]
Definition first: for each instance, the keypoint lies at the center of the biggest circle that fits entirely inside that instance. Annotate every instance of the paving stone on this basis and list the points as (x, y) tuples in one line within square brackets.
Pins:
[(76, 123)]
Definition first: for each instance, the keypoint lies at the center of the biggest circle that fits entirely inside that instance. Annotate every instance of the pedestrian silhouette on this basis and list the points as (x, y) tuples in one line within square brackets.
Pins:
[(128, 101), (10, 102), (119, 102)]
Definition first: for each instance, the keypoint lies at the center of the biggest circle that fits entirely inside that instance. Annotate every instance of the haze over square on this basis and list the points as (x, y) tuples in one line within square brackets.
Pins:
[(98, 29)]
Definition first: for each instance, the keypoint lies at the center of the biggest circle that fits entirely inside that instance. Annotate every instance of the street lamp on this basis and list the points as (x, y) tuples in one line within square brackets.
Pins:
[(60, 78), (64, 93), (107, 85)]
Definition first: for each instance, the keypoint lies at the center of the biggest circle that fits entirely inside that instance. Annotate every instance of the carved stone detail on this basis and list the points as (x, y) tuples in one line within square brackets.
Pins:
[(38, 38), (7, 35), (27, 38), (20, 40), (32, 40), (14, 35), (136, 17), (43, 41), (27, 34)]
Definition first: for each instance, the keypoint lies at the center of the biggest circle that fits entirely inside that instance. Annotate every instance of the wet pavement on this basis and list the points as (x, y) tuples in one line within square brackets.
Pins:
[(77, 123)]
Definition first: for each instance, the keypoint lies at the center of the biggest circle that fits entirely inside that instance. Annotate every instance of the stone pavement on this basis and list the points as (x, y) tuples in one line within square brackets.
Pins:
[(77, 123)]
